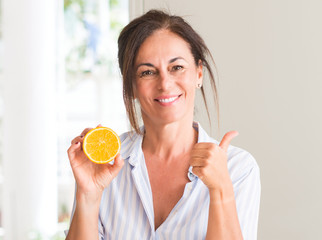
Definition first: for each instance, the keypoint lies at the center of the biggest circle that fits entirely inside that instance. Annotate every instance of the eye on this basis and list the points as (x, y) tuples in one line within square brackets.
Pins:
[(177, 67), (146, 73)]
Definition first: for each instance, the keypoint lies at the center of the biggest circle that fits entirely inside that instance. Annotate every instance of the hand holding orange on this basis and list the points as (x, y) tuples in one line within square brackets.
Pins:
[(101, 145)]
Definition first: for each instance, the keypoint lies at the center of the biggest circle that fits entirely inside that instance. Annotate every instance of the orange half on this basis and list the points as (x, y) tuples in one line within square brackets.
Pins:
[(101, 145)]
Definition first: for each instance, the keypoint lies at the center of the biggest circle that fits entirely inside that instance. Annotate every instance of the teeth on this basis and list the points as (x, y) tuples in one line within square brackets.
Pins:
[(167, 100)]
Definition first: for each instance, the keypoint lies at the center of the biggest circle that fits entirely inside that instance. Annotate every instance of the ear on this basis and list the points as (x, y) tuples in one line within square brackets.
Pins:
[(199, 73)]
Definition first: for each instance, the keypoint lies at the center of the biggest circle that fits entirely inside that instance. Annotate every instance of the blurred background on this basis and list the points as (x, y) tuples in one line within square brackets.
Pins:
[(59, 74)]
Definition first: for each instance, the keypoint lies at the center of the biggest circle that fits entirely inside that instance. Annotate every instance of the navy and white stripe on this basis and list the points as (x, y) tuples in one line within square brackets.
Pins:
[(126, 210)]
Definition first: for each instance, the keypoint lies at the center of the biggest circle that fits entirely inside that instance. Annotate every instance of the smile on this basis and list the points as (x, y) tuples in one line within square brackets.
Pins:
[(167, 99)]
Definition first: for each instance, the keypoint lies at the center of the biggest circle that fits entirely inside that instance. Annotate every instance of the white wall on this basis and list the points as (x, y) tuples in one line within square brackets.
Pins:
[(269, 56)]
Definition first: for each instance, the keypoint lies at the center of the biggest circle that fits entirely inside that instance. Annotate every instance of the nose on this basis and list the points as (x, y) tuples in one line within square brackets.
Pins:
[(164, 80)]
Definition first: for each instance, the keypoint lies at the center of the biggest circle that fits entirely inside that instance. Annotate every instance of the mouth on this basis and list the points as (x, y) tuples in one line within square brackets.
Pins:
[(167, 99)]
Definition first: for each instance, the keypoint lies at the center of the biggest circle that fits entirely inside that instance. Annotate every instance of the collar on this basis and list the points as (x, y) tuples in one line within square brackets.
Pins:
[(132, 146)]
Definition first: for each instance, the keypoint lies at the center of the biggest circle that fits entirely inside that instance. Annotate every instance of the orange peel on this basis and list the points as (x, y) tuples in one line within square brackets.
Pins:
[(101, 145)]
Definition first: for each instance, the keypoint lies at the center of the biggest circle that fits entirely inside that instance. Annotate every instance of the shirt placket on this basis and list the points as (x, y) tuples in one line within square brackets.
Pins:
[(139, 173)]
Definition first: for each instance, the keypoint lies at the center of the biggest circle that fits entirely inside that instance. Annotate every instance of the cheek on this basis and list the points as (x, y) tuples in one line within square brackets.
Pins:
[(189, 83), (142, 88), (139, 87), (144, 91)]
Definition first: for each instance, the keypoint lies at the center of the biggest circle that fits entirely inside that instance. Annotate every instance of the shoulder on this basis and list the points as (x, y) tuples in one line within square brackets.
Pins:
[(125, 136), (240, 156), (130, 142), (240, 162)]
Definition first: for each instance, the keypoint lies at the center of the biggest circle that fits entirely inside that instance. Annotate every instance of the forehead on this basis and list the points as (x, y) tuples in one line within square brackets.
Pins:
[(163, 44)]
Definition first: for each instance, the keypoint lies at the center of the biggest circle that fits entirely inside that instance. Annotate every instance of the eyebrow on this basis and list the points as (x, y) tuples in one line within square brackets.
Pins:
[(144, 64), (175, 59), (151, 65)]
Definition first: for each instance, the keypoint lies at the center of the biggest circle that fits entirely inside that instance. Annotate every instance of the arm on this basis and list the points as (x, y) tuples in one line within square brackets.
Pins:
[(84, 224), (246, 199), (91, 179), (223, 219), (209, 162)]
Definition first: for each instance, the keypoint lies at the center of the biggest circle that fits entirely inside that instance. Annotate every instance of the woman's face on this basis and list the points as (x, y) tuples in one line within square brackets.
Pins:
[(166, 78)]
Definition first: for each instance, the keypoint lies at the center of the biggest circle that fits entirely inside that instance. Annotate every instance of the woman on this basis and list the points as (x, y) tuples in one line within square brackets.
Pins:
[(171, 180)]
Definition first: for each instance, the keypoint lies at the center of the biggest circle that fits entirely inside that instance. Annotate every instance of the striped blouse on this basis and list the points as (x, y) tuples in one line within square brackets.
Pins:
[(126, 209)]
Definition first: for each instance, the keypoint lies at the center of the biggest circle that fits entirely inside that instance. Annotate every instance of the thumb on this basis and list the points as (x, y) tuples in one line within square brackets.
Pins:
[(99, 125), (224, 144), (117, 165)]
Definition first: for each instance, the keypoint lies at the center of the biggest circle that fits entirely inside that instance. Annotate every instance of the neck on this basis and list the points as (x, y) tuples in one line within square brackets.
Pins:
[(168, 141)]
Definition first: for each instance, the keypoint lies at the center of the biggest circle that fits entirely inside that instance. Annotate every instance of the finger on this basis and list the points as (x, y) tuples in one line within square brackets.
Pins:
[(198, 162), (199, 156), (203, 145), (198, 171), (77, 139), (224, 144), (99, 125), (73, 148), (117, 166), (118, 160), (86, 130)]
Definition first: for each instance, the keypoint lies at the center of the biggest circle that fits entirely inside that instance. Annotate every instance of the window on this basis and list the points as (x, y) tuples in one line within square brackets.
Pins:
[(91, 92), (89, 89)]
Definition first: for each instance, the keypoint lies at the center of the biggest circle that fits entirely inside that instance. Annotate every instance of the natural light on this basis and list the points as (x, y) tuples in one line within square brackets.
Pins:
[(87, 88)]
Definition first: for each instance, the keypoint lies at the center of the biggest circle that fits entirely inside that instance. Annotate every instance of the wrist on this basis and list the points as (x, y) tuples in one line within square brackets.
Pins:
[(90, 199), (222, 195)]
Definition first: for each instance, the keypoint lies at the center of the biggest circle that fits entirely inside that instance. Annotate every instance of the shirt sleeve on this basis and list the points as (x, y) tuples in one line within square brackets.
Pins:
[(247, 190), (100, 230), (72, 213)]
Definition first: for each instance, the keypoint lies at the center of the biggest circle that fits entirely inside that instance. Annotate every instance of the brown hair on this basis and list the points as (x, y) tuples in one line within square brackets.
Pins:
[(135, 33)]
